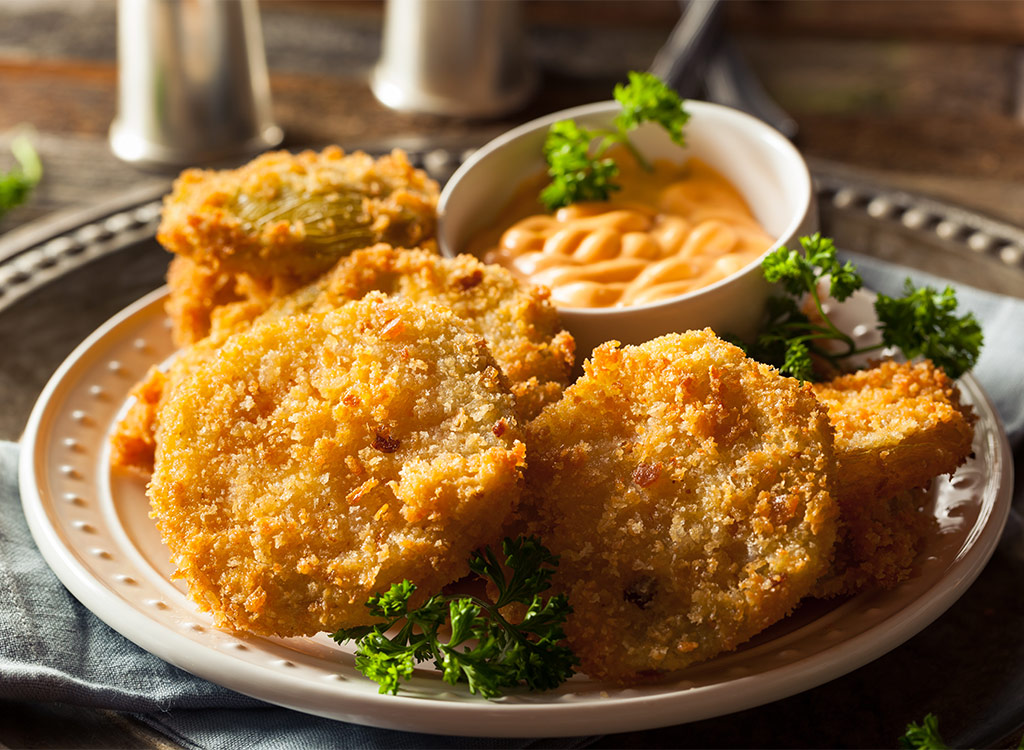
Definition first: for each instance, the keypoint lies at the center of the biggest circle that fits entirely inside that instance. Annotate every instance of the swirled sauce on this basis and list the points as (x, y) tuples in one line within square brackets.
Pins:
[(665, 233)]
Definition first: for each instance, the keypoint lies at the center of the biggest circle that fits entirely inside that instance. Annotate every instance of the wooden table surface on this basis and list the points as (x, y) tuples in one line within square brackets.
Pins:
[(926, 96)]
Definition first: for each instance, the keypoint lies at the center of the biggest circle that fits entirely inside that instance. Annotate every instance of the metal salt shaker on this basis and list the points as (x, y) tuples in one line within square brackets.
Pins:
[(193, 85), (461, 58)]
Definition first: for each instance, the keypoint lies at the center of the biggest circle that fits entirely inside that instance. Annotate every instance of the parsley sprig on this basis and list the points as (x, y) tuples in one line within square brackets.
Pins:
[(923, 736), (483, 648), (580, 172), (17, 183), (923, 322), (926, 736)]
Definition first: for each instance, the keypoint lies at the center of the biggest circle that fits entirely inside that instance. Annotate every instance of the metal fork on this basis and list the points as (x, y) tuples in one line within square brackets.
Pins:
[(698, 58)]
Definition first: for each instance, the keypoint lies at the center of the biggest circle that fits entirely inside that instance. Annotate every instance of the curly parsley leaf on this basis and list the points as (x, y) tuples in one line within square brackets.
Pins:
[(386, 662), (790, 269), (923, 322), (576, 176), (17, 184), (577, 164), (647, 99), (800, 270), (483, 649), (923, 736), (531, 565), (392, 602), (797, 361)]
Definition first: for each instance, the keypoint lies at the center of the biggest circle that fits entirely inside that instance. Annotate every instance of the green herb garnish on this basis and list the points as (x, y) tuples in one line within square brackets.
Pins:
[(923, 736), (581, 173), (16, 184), (923, 322), (483, 649)]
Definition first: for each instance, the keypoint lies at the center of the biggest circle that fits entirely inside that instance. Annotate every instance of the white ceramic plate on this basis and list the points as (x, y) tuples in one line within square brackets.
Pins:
[(93, 529)]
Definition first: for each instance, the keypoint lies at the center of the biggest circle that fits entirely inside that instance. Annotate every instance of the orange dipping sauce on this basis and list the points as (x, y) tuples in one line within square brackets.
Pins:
[(665, 233)]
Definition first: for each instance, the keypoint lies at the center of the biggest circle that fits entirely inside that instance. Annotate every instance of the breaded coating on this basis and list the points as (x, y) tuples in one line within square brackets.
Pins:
[(687, 490), (256, 233), (898, 426), (198, 293), (133, 444), (286, 214), (519, 323), (521, 327), (877, 543), (310, 461)]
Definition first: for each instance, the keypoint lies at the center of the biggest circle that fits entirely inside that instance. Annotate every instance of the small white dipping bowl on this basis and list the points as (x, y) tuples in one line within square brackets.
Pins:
[(758, 160)]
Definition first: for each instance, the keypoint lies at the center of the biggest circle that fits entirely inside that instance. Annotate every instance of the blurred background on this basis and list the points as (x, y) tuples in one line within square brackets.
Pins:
[(924, 95)]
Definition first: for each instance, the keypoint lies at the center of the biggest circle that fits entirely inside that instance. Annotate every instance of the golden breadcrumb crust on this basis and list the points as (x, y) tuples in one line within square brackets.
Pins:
[(521, 327), (197, 293), (686, 489), (308, 462), (877, 543), (133, 443), (898, 425), (286, 214), (255, 233)]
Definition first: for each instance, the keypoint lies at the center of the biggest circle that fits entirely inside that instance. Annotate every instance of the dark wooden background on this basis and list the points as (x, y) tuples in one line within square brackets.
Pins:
[(927, 96)]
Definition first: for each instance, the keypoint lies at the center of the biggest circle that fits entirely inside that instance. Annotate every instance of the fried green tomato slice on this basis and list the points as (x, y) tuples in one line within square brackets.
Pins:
[(294, 215), (878, 541), (898, 425), (518, 321), (686, 490), (311, 461)]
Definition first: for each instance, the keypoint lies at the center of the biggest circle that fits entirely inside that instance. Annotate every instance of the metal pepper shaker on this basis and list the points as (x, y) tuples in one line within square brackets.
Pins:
[(192, 83), (462, 58)]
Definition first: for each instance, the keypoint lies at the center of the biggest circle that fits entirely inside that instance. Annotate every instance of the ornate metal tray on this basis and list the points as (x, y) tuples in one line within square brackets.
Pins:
[(61, 278)]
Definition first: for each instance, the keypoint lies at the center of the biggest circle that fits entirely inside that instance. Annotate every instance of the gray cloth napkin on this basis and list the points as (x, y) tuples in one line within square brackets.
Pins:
[(53, 649)]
